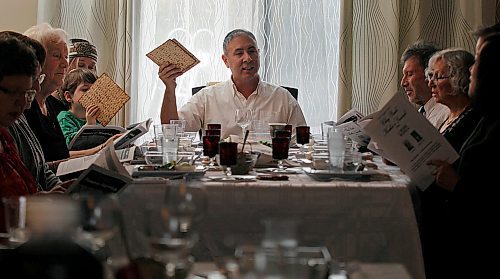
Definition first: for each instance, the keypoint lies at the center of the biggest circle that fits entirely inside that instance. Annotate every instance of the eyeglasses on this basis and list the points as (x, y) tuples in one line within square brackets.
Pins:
[(432, 77), (40, 78), (28, 94)]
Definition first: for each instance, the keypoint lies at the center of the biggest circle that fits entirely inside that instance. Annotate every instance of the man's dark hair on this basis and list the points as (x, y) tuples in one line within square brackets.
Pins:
[(235, 33), (487, 31), (16, 57), (485, 96), (422, 50)]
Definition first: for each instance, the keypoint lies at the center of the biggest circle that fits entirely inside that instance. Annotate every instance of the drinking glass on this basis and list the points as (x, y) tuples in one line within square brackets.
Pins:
[(280, 146), (213, 132), (158, 136), (16, 228), (302, 136), (211, 148), (170, 143), (227, 155), (181, 126), (243, 118), (100, 222), (214, 126), (170, 227)]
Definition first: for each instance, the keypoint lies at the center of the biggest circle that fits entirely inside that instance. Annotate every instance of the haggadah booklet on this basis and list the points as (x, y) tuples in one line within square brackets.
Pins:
[(404, 136)]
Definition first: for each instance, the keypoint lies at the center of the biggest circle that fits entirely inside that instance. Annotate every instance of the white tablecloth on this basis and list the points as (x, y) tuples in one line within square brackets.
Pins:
[(358, 221)]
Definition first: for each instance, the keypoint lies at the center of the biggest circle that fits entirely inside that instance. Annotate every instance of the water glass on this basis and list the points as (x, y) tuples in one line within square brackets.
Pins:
[(181, 125), (170, 143), (158, 136), (15, 219), (336, 148)]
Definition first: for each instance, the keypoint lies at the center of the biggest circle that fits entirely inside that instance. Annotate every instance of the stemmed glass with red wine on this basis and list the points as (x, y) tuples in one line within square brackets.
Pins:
[(228, 152), (211, 148), (280, 146)]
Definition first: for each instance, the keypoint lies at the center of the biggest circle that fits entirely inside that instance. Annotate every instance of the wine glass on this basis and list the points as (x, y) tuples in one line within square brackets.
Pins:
[(213, 132), (170, 231), (243, 118), (228, 156), (280, 146), (214, 126), (211, 148), (100, 222), (302, 136)]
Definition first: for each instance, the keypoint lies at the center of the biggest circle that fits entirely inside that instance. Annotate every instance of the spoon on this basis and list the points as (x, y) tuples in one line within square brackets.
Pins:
[(245, 140)]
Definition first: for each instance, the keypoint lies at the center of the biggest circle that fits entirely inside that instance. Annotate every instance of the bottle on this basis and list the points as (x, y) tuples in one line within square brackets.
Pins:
[(336, 148)]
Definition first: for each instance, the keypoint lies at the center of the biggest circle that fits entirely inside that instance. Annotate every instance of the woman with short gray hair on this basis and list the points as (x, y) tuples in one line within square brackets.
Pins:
[(448, 77)]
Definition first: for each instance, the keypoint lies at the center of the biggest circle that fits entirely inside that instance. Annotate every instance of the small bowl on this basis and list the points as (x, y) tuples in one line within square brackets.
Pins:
[(153, 158), (245, 163)]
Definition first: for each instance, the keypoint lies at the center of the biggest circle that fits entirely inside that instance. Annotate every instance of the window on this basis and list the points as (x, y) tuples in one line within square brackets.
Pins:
[(298, 41)]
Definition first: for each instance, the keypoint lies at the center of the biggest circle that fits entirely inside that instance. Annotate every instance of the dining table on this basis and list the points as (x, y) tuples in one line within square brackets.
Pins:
[(368, 218)]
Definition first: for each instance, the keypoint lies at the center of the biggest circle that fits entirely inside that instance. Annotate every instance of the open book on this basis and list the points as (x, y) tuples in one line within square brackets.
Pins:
[(99, 173), (350, 127), (133, 133), (90, 136), (401, 134)]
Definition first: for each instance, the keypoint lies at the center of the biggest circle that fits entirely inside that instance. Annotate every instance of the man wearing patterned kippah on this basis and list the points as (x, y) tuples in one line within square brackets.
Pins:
[(82, 54)]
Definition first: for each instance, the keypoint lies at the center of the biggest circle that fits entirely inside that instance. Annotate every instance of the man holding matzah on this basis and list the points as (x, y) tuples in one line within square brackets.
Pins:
[(243, 91)]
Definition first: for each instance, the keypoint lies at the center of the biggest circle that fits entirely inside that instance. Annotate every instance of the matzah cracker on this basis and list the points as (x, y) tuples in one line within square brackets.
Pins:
[(172, 51), (107, 95)]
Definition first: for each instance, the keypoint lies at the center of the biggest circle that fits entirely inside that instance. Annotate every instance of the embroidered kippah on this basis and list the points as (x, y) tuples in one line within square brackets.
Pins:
[(82, 48)]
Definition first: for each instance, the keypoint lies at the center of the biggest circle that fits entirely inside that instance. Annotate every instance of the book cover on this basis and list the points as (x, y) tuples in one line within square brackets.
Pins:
[(132, 134), (99, 180), (407, 138), (90, 136)]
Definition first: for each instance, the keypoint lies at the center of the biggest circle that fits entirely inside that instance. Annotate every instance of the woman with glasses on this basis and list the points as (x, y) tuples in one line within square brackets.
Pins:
[(473, 183), (27, 144), (17, 70), (448, 77)]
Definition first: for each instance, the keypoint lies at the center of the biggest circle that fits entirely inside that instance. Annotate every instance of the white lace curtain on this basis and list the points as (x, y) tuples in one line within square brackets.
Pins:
[(298, 42), (338, 53)]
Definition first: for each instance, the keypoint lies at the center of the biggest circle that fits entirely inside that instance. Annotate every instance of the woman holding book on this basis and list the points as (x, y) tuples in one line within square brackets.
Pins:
[(473, 184), (448, 78), (18, 69)]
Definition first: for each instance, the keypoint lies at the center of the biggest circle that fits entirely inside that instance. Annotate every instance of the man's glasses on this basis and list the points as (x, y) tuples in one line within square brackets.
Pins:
[(434, 77), (28, 94)]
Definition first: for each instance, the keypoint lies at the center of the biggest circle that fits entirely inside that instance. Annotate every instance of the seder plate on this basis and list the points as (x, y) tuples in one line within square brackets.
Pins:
[(328, 175)]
